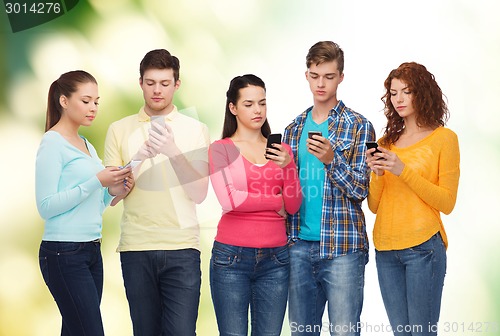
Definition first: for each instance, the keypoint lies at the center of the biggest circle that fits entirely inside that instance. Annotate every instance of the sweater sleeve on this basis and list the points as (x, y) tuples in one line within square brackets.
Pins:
[(225, 168), (443, 195), (375, 192), (292, 193), (50, 200)]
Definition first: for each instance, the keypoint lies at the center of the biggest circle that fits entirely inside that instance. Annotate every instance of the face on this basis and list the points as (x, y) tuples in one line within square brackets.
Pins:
[(401, 98), (250, 109), (158, 87), (323, 81), (81, 107)]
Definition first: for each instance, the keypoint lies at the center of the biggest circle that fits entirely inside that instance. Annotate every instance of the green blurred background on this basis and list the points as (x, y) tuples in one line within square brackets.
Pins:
[(458, 41)]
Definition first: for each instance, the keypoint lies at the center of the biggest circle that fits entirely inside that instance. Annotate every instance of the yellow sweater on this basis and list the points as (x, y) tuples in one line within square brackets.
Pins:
[(408, 206)]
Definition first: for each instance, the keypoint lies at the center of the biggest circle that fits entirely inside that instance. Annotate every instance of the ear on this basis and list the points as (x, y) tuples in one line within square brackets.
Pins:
[(63, 100), (307, 74), (341, 77), (232, 108), (177, 84)]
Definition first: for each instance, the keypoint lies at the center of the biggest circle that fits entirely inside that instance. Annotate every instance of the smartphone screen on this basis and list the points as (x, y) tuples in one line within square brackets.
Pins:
[(132, 164), (157, 120), (311, 133), (273, 139)]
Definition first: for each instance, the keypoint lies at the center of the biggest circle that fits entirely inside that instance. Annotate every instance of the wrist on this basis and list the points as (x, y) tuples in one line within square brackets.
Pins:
[(111, 193)]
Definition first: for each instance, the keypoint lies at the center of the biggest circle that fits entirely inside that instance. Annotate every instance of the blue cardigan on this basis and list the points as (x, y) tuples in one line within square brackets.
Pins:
[(69, 196)]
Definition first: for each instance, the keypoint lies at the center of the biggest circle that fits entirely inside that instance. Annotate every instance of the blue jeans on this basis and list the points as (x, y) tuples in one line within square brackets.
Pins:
[(411, 282), (314, 282), (163, 291), (241, 277), (73, 273)]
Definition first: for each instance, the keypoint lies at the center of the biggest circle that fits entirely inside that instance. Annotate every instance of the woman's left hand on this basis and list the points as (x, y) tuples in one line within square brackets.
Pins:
[(390, 162), (282, 158)]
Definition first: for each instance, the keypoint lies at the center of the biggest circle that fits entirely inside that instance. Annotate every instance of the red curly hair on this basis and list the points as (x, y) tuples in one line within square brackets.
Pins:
[(428, 100)]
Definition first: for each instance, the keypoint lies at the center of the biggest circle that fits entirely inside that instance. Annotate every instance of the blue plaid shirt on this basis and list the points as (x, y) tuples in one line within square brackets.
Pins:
[(343, 229)]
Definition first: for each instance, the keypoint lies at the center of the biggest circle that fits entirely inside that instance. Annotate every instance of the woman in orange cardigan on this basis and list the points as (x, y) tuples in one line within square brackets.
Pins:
[(414, 178)]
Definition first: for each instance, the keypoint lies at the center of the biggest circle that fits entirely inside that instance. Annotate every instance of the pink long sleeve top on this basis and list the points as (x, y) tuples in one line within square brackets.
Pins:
[(251, 196)]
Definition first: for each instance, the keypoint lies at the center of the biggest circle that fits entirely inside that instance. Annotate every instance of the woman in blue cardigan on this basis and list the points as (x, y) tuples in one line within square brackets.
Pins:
[(72, 190)]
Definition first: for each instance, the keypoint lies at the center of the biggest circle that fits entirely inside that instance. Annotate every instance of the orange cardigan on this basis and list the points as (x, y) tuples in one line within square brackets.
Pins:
[(408, 206)]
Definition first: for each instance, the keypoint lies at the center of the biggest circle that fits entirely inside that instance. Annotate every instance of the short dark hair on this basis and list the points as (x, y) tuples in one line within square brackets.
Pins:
[(160, 59), (325, 51)]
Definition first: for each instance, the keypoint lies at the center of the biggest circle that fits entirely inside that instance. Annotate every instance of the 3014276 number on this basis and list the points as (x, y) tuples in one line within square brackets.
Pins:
[(33, 8)]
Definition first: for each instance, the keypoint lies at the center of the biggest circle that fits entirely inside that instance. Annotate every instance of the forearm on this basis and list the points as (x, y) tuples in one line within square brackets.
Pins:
[(375, 192), (53, 204), (441, 197), (349, 172), (292, 193), (350, 181), (193, 180)]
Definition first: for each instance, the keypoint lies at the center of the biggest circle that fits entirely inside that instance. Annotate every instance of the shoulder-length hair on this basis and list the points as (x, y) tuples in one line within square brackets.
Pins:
[(427, 98)]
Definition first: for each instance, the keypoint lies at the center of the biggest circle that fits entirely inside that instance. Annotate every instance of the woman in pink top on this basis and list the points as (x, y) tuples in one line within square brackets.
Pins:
[(256, 188)]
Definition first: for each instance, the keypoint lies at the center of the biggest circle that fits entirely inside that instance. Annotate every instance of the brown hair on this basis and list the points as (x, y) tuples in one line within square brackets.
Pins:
[(65, 85), (325, 51), (160, 59), (427, 98)]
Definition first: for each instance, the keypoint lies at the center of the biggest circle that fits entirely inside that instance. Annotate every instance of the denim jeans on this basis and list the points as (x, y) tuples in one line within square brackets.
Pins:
[(163, 291), (314, 282), (241, 277), (411, 282), (73, 272)]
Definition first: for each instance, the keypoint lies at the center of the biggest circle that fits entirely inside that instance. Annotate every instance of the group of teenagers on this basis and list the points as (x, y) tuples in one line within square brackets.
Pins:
[(292, 231)]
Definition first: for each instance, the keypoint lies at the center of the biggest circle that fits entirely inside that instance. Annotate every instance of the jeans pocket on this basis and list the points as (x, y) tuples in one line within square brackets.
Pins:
[(426, 247), (282, 257), (44, 268), (222, 258)]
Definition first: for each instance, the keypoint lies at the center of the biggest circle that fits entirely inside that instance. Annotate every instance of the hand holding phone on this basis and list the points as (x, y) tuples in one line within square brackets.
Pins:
[(273, 139)]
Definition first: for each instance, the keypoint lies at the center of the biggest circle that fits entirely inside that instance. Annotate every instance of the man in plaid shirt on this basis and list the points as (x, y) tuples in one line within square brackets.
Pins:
[(328, 241)]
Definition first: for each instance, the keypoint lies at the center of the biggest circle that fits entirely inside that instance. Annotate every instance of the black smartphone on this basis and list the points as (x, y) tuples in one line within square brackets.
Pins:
[(373, 144), (274, 138), (311, 133)]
